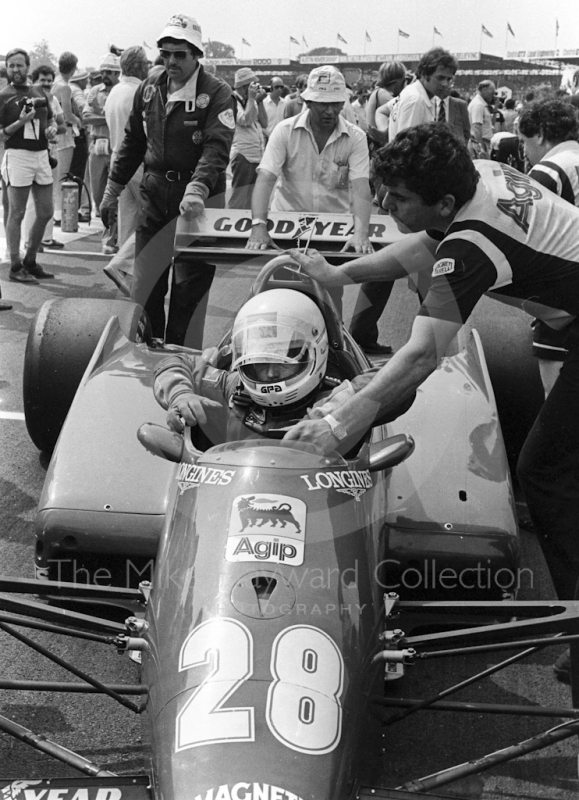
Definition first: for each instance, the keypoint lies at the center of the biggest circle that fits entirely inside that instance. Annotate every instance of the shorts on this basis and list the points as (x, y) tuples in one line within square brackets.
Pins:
[(24, 167), (549, 343)]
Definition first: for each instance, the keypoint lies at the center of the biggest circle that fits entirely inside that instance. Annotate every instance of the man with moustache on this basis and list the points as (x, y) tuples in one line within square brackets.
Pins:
[(181, 126), (26, 128)]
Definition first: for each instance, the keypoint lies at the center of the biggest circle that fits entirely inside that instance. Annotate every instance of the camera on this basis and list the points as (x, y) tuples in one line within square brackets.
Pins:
[(267, 88), (29, 103)]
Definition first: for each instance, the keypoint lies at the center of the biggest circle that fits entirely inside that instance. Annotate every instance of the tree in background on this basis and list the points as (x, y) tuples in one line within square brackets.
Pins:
[(324, 51), (218, 50), (41, 54)]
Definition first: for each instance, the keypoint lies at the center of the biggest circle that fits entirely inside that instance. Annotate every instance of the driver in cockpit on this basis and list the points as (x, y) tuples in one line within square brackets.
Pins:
[(278, 374)]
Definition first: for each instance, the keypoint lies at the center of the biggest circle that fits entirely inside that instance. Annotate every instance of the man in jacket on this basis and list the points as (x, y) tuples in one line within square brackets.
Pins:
[(181, 126)]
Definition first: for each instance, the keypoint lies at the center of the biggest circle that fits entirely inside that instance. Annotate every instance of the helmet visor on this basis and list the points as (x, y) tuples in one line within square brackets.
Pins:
[(272, 339)]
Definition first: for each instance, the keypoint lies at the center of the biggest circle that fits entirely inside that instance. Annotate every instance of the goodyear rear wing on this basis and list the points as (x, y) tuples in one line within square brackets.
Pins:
[(220, 229), (114, 788)]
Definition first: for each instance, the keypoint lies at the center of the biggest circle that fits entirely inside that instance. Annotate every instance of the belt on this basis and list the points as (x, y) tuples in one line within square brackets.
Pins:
[(172, 175)]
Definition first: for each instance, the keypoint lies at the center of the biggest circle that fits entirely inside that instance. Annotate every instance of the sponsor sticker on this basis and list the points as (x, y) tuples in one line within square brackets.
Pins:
[(443, 267), (190, 476), (226, 117), (247, 791), (347, 481), (202, 101), (268, 527)]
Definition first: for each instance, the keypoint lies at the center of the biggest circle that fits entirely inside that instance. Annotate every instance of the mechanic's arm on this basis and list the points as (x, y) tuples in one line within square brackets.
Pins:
[(176, 379), (362, 208), (395, 382), (259, 238), (416, 252)]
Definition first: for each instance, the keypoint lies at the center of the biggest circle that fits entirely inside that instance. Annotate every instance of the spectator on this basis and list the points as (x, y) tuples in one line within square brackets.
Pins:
[(456, 113), (321, 161), (509, 115), (99, 159), (548, 130), (78, 167), (295, 103), (181, 125), (67, 64), (274, 104), (25, 167), (420, 101), (248, 139), (480, 111), (359, 105), (392, 78)]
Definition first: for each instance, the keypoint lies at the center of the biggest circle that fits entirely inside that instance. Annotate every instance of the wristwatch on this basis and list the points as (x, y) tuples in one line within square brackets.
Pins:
[(258, 221), (336, 427)]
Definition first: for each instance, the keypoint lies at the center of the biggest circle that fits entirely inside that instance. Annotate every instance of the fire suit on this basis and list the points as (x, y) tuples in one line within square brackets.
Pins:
[(184, 145)]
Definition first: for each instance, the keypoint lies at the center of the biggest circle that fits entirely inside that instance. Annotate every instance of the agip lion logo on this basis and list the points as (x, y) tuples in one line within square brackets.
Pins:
[(270, 527)]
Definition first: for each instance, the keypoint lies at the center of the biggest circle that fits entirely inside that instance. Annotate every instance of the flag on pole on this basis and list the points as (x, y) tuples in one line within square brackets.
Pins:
[(295, 41), (437, 32), (486, 31), (509, 29), (304, 41), (403, 33), (341, 39), (368, 39), (556, 27), (148, 46), (244, 41)]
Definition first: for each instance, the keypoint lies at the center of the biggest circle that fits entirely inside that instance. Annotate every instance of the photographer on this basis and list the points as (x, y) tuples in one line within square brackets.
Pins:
[(248, 140), (26, 126)]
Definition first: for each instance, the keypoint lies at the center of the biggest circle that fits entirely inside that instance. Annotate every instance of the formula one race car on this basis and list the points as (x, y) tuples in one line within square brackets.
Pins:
[(277, 568)]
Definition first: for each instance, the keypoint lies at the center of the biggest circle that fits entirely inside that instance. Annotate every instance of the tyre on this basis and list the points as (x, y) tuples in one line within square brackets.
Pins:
[(507, 341), (61, 341)]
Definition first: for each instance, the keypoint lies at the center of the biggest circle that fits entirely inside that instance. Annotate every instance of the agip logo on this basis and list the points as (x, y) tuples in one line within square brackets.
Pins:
[(270, 527)]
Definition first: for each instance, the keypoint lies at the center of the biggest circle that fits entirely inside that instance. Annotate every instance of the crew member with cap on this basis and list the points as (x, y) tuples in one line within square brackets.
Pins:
[(181, 126), (321, 161), (248, 140), (99, 159)]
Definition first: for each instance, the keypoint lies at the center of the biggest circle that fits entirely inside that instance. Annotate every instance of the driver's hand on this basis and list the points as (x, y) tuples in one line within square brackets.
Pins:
[(316, 266), (313, 431), (259, 239), (189, 409), (359, 244)]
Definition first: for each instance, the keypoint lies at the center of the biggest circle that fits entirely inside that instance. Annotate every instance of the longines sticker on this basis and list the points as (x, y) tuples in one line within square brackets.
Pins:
[(268, 527), (190, 476), (347, 481)]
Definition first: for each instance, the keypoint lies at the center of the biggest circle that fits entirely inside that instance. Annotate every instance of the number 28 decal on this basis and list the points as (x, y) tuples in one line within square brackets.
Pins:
[(303, 709)]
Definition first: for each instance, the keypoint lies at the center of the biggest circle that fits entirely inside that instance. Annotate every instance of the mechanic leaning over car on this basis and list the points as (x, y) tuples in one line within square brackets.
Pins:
[(279, 372), (181, 126), (492, 228)]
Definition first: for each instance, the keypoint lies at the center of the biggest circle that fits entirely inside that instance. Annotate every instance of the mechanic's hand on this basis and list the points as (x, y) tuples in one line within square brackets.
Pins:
[(359, 243), (192, 205), (313, 431), (316, 266), (259, 239), (110, 202), (189, 409)]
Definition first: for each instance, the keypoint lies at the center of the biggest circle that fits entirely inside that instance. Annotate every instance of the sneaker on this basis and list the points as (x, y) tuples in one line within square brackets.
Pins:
[(52, 243), (119, 278), (37, 271), (57, 223), (83, 217), (110, 250), (562, 667), (4, 306), (376, 349), (21, 275)]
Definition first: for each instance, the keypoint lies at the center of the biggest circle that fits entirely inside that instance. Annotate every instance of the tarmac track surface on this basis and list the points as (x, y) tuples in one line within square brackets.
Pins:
[(104, 732)]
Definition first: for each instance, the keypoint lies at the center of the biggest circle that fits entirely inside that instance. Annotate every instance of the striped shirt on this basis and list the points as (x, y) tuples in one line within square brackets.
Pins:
[(559, 171), (513, 239)]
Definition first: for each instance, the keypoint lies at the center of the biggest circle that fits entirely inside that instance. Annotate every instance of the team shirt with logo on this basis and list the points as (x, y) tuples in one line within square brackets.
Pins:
[(514, 239)]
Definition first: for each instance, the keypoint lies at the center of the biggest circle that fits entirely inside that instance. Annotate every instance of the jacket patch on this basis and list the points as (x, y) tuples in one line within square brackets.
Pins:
[(197, 137), (443, 267), (202, 101), (227, 118), (148, 93)]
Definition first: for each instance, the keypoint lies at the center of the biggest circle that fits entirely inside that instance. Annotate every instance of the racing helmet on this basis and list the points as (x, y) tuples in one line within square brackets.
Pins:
[(280, 347)]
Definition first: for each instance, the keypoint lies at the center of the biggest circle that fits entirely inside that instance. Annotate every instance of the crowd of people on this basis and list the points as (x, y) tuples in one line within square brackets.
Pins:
[(486, 192)]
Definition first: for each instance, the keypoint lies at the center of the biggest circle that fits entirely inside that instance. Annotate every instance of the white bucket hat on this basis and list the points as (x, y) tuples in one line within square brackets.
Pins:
[(180, 26), (325, 85)]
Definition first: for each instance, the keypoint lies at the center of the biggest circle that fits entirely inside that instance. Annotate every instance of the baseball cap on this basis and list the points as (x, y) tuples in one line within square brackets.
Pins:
[(80, 75), (325, 85), (110, 61), (243, 76), (180, 26)]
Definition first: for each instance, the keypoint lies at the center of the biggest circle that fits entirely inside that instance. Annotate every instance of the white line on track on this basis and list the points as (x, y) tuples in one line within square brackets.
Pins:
[(12, 415)]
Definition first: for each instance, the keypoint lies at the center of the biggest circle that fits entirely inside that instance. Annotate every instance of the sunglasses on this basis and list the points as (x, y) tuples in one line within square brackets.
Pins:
[(181, 55)]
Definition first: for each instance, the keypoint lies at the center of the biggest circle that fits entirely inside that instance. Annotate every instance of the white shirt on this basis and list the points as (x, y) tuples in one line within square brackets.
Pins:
[(118, 108), (274, 113), (413, 106)]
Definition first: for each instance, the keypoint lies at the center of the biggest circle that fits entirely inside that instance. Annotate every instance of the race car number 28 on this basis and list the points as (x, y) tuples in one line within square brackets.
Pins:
[(303, 709)]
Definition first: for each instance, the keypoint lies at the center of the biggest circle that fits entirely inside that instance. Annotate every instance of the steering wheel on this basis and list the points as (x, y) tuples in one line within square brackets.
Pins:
[(271, 433), (299, 281)]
